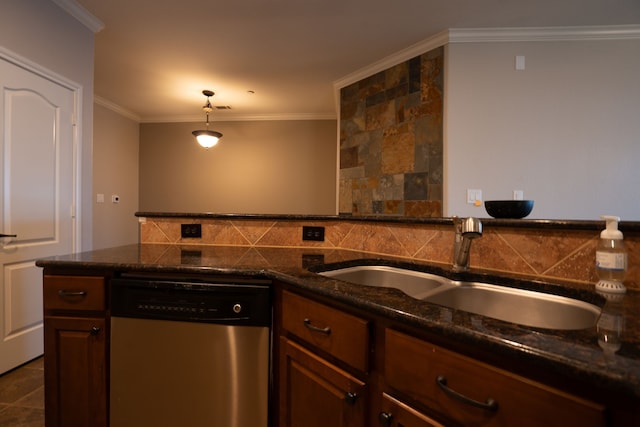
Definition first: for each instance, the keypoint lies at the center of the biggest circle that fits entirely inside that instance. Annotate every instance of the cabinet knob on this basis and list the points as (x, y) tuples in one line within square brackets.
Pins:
[(350, 397), (94, 331), (385, 419)]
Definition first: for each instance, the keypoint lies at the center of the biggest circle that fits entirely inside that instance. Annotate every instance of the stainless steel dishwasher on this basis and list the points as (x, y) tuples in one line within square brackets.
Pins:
[(187, 352)]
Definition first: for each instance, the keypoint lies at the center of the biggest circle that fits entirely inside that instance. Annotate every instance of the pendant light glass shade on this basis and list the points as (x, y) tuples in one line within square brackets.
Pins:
[(207, 138)]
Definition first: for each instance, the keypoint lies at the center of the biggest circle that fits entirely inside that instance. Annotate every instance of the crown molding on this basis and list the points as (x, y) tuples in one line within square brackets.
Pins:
[(475, 35), (437, 40), (453, 35), (241, 117), (116, 108), (222, 117), (534, 34), (81, 14)]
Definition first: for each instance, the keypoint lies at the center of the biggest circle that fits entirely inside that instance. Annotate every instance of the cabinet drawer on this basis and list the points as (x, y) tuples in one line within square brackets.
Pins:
[(486, 395), (342, 335), (74, 293)]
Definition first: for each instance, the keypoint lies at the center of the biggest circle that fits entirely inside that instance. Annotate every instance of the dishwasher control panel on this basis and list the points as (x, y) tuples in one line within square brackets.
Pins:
[(180, 307), (227, 303)]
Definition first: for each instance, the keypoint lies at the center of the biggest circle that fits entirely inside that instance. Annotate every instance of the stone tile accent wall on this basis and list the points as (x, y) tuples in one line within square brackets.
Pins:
[(539, 254), (391, 140)]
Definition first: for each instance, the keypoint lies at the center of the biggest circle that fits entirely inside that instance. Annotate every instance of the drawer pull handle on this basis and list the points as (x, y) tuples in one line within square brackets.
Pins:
[(325, 330), (350, 397), (489, 404), (385, 419), (94, 331), (64, 293)]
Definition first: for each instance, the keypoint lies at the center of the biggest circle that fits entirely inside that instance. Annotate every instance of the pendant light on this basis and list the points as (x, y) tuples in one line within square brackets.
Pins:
[(207, 138)]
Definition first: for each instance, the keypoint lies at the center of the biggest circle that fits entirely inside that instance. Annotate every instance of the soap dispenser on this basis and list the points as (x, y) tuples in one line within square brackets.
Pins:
[(611, 258)]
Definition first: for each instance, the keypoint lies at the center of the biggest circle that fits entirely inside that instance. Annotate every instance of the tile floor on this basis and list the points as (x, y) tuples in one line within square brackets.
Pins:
[(22, 396)]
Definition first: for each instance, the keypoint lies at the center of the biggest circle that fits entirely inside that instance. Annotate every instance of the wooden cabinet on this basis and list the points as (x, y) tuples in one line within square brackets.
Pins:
[(314, 391), (329, 355), (75, 346), (333, 365), (394, 413), (335, 332), (470, 393)]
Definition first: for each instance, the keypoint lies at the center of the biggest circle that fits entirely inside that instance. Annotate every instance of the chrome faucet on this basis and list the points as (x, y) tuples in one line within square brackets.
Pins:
[(466, 230)]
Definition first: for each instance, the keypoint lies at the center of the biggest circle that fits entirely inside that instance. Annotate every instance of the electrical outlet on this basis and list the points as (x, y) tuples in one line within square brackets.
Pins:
[(313, 233), (191, 231)]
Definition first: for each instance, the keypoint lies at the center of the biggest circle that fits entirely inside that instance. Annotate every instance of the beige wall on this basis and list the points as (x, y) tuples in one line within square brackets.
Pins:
[(266, 167), (115, 172), (565, 130), (44, 34)]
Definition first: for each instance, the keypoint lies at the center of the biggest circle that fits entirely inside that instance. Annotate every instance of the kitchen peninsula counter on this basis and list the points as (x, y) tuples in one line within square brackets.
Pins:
[(561, 354)]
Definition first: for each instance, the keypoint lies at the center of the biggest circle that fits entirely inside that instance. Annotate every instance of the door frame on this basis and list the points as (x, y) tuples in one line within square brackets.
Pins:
[(35, 68)]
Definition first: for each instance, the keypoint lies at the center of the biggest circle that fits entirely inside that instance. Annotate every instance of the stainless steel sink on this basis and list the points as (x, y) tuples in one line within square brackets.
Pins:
[(528, 308), (523, 307), (412, 283)]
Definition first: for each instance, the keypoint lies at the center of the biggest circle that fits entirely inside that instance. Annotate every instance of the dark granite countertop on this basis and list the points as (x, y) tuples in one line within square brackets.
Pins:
[(577, 354), (561, 224)]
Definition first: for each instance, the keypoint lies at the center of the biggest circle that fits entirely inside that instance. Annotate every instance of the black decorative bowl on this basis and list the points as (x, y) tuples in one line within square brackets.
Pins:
[(514, 209)]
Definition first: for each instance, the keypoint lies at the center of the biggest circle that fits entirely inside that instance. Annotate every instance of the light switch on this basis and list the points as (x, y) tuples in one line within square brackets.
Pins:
[(519, 62), (518, 195), (474, 197), (100, 198)]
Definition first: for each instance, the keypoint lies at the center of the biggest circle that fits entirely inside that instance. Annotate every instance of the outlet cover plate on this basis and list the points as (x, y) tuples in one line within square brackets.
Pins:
[(191, 231), (313, 233)]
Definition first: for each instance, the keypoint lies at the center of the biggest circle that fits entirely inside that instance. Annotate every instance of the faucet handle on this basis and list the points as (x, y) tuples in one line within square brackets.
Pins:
[(472, 225)]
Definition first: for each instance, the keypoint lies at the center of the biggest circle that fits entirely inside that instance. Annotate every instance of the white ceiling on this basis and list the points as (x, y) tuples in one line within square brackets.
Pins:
[(154, 58)]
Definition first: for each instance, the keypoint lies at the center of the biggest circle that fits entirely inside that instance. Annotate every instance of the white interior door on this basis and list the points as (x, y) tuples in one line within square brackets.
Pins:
[(36, 200)]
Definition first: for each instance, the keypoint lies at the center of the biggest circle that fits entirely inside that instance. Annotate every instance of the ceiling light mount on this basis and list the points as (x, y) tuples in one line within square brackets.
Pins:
[(207, 138)]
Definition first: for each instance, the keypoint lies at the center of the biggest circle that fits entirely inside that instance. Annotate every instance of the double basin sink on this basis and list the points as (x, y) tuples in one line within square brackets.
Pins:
[(519, 306)]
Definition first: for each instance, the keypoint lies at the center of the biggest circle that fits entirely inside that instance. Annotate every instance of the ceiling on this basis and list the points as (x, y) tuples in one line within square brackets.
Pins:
[(280, 58)]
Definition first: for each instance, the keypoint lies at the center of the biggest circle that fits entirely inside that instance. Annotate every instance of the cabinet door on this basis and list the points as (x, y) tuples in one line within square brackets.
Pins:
[(314, 393), (398, 414), (75, 372)]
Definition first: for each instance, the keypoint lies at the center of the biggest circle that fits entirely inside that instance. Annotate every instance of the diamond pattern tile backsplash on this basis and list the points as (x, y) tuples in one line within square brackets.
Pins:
[(536, 253)]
